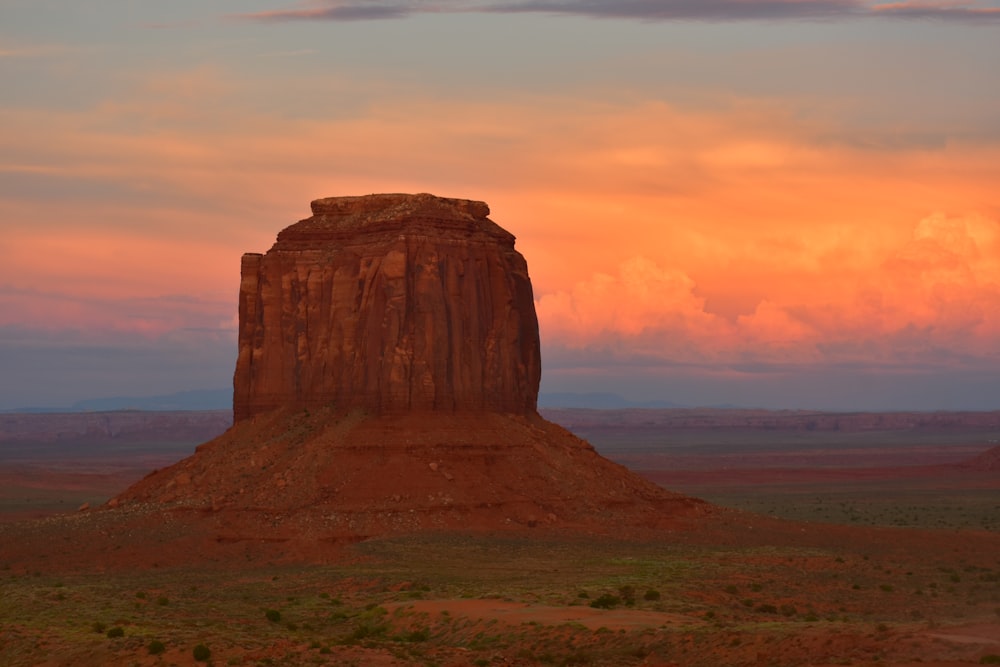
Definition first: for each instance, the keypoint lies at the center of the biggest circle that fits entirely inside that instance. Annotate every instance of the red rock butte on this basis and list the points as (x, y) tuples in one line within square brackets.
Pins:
[(386, 382), (389, 303)]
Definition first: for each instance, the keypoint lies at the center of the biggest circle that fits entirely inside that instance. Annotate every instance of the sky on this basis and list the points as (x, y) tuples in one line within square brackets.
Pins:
[(764, 203)]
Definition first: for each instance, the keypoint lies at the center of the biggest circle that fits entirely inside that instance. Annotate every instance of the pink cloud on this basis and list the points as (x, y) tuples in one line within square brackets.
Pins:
[(938, 290)]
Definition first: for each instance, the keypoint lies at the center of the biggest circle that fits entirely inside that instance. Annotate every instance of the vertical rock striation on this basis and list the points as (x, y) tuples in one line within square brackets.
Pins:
[(390, 303)]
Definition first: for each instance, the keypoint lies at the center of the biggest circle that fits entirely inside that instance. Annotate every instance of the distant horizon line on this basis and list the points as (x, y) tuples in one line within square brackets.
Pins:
[(205, 400)]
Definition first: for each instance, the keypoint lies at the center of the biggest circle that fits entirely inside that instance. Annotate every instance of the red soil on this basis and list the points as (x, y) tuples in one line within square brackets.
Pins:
[(518, 613), (296, 486), (302, 488), (929, 477)]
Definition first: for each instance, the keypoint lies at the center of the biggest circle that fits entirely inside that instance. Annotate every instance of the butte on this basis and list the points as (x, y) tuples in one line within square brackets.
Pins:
[(387, 382)]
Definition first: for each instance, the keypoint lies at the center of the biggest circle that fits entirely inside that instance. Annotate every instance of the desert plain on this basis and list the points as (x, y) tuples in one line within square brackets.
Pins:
[(826, 539)]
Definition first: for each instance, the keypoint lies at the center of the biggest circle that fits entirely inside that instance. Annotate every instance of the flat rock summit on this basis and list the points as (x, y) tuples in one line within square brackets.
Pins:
[(386, 382)]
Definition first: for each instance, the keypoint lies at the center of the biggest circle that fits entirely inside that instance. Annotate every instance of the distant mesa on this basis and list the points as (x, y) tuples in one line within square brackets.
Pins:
[(199, 399), (598, 401), (387, 381), (988, 460)]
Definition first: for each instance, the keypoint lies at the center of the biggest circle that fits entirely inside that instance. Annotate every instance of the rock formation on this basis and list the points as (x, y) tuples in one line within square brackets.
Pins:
[(387, 381), (388, 303), (988, 460)]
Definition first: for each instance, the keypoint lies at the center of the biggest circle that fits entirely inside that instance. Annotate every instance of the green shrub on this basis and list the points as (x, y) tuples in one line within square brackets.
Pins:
[(116, 631), (98, 627), (367, 630), (606, 601), (272, 615), (651, 595), (765, 608), (201, 653), (163, 601), (417, 636), (991, 659), (156, 647)]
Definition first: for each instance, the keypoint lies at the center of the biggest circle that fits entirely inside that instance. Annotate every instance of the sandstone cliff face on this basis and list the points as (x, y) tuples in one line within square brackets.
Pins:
[(389, 303)]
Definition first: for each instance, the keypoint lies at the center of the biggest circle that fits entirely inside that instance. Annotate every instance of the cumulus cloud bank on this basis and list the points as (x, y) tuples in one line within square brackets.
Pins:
[(933, 301)]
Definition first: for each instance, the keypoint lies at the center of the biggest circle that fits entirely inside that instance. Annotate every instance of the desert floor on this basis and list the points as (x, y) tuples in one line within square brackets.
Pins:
[(825, 550)]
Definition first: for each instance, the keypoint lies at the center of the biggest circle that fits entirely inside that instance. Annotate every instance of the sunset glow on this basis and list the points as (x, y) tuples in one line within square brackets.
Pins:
[(789, 212)]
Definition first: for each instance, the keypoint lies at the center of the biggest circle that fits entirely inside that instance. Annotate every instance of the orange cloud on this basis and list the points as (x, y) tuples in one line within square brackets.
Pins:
[(641, 297), (742, 229), (939, 290), (99, 281)]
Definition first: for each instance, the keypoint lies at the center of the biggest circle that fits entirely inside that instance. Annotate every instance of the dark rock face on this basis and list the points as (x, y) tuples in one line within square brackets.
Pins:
[(390, 303)]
